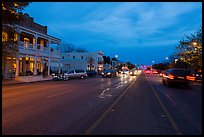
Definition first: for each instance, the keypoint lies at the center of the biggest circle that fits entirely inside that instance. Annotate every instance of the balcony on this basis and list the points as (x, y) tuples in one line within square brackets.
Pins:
[(27, 46)]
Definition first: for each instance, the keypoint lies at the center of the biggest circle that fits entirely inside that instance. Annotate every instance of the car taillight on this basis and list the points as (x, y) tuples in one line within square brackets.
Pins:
[(190, 78), (170, 76)]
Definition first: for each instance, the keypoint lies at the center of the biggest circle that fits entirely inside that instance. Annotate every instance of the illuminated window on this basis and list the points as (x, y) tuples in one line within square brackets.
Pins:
[(15, 37), (4, 36), (31, 59), (31, 66), (26, 42)]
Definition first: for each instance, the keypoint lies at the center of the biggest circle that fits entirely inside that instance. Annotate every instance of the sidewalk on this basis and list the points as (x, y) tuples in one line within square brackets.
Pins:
[(13, 81)]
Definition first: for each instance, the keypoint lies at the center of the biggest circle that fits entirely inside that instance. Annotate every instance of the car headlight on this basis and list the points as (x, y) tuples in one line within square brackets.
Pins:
[(102, 73), (108, 73)]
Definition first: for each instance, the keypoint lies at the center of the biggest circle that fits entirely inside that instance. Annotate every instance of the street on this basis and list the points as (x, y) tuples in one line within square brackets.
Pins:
[(128, 105)]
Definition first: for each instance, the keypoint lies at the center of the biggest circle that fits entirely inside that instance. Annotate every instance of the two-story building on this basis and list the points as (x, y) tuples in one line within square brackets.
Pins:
[(82, 60), (36, 51)]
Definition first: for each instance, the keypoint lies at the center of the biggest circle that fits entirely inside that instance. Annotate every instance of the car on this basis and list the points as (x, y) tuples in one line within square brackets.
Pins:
[(125, 72), (161, 74), (198, 76), (133, 72), (177, 76), (154, 72), (59, 77), (109, 73), (91, 73), (148, 71), (78, 73)]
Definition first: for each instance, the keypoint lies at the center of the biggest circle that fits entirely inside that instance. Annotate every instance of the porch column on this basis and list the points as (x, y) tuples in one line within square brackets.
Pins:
[(48, 71), (35, 65), (59, 57), (36, 42), (49, 63), (17, 66)]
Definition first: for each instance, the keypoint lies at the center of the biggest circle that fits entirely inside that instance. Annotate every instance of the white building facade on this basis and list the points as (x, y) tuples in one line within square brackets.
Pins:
[(37, 51), (82, 60)]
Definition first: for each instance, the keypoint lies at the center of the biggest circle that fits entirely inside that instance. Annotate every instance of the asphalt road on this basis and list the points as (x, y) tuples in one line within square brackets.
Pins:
[(122, 105)]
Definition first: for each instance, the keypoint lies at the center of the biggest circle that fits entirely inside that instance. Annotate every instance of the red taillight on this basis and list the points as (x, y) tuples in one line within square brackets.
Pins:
[(190, 78), (170, 76)]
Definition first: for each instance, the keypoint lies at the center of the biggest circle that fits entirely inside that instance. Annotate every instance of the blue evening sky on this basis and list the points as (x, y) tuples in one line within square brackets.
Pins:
[(139, 32)]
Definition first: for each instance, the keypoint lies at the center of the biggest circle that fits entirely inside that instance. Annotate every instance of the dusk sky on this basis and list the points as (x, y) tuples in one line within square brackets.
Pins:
[(139, 32)]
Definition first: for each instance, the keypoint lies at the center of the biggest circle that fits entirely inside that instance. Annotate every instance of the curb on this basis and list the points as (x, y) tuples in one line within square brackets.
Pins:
[(7, 84)]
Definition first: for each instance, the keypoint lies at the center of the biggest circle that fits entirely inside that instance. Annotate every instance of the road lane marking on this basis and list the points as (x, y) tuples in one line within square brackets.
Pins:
[(59, 94), (165, 110), (93, 126)]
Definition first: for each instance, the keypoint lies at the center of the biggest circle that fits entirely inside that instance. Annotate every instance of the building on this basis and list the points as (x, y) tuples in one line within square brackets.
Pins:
[(82, 60), (36, 51)]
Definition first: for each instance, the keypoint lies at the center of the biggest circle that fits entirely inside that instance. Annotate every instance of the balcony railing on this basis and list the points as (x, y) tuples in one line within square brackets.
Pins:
[(28, 46)]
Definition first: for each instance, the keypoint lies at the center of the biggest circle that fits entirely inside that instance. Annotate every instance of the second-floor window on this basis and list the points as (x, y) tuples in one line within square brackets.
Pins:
[(73, 57), (82, 57)]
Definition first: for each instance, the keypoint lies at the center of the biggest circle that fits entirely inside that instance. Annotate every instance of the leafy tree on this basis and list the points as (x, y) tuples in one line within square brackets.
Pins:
[(11, 16), (189, 50)]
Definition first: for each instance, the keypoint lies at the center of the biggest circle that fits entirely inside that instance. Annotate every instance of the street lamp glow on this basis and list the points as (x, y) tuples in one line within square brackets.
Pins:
[(194, 43), (116, 56), (153, 61), (167, 58)]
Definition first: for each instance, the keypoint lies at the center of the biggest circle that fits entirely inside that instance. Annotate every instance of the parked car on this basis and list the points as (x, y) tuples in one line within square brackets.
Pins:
[(91, 73), (56, 76), (76, 74), (177, 76), (109, 73)]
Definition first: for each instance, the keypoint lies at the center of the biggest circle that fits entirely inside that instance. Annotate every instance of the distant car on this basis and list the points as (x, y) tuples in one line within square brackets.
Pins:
[(198, 76), (177, 76), (109, 73), (76, 74), (59, 77), (133, 72), (91, 73), (125, 72), (154, 72), (148, 71)]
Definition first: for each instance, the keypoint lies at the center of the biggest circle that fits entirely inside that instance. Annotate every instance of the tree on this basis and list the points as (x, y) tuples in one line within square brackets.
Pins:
[(11, 16), (106, 59), (69, 47), (189, 50)]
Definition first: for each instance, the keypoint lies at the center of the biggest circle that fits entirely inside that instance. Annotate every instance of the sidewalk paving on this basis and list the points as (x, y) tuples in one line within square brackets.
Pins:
[(13, 81)]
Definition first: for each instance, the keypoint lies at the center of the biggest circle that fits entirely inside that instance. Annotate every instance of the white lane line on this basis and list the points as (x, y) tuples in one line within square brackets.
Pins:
[(103, 94), (175, 126), (59, 94)]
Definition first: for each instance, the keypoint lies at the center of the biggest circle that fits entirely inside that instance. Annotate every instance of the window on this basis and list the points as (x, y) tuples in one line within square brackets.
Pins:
[(73, 57), (4, 36), (62, 57), (82, 57)]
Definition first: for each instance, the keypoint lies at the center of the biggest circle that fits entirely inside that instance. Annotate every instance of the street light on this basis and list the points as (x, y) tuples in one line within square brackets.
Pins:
[(167, 58)]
